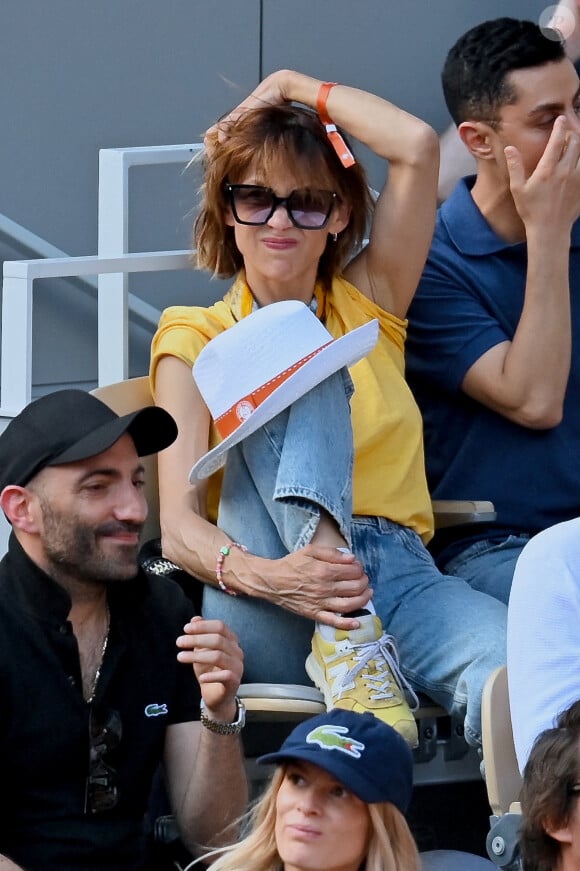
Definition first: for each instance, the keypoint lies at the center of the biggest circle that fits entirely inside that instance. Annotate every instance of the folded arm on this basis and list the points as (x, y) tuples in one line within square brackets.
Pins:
[(525, 379), (318, 582), (205, 773)]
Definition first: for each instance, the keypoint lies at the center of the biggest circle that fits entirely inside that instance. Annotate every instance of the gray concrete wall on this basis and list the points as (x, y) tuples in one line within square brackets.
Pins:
[(79, 75)]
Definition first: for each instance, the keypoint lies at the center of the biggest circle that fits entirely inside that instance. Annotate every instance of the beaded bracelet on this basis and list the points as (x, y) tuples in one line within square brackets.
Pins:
[(223, 552)]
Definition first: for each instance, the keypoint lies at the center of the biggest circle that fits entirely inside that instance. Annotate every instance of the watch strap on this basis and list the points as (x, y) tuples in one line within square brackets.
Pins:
[(224, 728)]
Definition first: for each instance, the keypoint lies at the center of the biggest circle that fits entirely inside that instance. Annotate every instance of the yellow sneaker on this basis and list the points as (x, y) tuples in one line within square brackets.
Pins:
[(358, 670)]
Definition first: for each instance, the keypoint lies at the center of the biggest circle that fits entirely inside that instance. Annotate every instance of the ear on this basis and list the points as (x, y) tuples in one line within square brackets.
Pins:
[(18, 504), (229, 218), (478, 137), (561, 833), (339, 218)]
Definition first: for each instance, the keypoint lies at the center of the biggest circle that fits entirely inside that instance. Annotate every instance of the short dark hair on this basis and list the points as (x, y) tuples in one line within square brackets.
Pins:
[(475, 72), (551, 776)]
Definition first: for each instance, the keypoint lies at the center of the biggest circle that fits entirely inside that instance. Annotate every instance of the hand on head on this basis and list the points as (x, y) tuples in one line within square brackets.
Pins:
[(270, 92)]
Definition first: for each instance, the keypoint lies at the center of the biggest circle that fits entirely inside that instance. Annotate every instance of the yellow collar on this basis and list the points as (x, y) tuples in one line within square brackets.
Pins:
[(240, 299)]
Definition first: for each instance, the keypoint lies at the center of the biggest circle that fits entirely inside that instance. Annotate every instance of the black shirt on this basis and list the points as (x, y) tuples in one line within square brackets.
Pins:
[(44, 719)]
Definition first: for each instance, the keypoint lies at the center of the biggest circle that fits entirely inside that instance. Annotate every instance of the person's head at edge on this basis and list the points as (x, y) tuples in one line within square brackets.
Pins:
[(337, 800), (71, 483), (505, 82), (550, 797), (284, 148)]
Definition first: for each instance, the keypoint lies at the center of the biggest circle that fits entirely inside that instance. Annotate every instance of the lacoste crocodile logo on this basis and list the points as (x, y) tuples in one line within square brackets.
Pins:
[(335, 738), (155, 710)]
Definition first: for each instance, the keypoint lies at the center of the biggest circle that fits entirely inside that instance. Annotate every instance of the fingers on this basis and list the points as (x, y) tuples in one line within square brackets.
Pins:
[(210, 644), (571, 150), (342, 620), (270, 92), (199, 627), (337, 621), (217, 659), (562, 146), (330, 554), (515, 167), (344, 605), (554, 148), (320, 580), (333, 564), (549, 197)]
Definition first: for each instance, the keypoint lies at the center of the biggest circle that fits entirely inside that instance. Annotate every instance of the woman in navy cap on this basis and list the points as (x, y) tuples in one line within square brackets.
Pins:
[(336, 801)]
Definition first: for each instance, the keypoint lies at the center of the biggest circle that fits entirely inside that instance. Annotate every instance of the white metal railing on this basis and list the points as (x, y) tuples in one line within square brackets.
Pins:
[(113, 241), (27, 240), (17, 298), (112, 266), (36, 246)]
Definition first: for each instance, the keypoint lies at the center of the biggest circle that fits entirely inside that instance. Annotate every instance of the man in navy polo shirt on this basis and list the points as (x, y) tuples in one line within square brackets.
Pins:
[(95, 694), (494, 338)]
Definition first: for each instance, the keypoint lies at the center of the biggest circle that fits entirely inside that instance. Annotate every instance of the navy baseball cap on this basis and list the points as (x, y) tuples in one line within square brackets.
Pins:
[(71, 425), (362, 752)]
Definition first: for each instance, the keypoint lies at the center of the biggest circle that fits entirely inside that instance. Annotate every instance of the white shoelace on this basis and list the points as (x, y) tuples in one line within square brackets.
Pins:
[(384, 653)]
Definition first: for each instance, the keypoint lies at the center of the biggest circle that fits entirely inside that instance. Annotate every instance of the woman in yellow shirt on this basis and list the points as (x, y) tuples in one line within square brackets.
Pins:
[(284, 208)]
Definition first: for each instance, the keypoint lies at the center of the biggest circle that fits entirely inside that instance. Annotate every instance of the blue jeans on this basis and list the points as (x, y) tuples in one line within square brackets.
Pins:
[(276, 481), (488, 566)]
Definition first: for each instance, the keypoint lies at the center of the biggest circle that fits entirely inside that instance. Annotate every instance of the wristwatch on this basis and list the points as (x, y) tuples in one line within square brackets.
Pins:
[(225, 728)]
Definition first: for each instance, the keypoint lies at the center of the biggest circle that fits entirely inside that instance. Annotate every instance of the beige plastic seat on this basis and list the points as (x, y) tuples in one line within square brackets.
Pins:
[(502, 776), (287, 702)]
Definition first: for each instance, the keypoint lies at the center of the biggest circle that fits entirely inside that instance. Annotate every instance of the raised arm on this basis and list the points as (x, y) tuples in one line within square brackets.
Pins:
[(204, 769), (526, 378), (317, 582), (389, 268)]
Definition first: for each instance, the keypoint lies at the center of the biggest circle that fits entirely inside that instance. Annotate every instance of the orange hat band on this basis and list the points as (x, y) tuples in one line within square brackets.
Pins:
[(230, 420)]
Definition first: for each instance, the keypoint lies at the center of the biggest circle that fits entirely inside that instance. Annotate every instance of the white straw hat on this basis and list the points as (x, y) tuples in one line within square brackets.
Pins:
[(254, 370)]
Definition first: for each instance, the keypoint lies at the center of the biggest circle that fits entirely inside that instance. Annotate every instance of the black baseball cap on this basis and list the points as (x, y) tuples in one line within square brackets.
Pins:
[(71, 425), (362, 752)]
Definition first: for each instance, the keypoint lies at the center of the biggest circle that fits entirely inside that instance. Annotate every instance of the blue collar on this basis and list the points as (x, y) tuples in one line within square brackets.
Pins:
[(468, 229)]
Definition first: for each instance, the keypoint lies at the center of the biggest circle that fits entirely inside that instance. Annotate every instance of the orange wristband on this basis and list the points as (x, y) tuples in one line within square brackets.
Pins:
[(343, 151)]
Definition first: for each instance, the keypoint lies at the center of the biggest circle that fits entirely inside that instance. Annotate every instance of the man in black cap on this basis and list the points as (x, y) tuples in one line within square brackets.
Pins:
[(94, 694)]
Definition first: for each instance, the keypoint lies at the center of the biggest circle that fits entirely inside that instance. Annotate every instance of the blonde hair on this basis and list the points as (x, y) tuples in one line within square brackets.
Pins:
[(267, 139), (391, 846)]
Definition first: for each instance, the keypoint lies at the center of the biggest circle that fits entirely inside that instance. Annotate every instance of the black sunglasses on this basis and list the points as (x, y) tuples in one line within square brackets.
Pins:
[(102, 783), (307, 208)]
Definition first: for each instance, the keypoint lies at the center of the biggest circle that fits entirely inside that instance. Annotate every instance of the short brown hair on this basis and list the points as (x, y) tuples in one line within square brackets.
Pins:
[(266, 139), (551, 773)]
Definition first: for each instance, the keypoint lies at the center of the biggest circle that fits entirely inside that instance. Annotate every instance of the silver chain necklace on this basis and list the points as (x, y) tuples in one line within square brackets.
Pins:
[(103, 650)]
